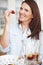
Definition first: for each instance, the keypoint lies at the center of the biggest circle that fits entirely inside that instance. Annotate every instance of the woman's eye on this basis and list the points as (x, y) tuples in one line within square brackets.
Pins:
[(26, 10), (21, 8)]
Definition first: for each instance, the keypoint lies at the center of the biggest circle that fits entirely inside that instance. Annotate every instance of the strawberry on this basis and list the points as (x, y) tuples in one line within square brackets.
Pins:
[(13, 12)]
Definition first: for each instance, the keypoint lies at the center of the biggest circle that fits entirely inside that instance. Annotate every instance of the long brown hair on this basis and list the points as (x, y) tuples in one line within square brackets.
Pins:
[(35, 24)]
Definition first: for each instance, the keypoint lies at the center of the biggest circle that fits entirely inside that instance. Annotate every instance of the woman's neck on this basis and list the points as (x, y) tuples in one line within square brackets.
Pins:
[(24, 26)]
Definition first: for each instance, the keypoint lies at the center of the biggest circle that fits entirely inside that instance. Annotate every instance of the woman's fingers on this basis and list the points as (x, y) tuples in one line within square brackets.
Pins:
[(7, 16), (7, 13)]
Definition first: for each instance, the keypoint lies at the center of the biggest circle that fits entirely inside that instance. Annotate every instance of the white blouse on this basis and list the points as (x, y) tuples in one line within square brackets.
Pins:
[(19, 44)]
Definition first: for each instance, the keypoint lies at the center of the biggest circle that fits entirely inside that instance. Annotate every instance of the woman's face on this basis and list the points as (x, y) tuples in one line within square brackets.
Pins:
[(25, 13)]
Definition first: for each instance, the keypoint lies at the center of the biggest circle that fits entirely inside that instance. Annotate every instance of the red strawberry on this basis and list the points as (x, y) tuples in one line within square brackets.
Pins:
[(13, 12)]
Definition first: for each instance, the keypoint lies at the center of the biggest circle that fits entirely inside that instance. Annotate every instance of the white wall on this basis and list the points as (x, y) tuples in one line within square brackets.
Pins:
[(11, 6), (3, 3)]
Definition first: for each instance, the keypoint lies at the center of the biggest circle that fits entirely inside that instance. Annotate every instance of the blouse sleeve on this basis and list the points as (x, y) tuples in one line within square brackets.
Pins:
[(5, 50)]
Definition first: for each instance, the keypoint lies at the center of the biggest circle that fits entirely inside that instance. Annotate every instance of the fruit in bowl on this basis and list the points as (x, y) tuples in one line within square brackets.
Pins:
[(32, 56), (36, 55)]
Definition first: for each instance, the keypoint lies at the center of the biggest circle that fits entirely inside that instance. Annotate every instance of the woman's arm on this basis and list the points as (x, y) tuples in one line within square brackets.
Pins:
[(4, 41)]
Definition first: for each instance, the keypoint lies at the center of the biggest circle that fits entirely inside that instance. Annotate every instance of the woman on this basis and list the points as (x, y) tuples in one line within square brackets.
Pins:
[(23, 39)]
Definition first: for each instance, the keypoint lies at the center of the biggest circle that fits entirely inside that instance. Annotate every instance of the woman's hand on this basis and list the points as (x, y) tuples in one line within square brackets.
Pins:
[(7, 15)]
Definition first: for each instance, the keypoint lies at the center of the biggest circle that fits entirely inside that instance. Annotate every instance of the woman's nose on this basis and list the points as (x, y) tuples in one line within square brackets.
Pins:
[(22, 11)]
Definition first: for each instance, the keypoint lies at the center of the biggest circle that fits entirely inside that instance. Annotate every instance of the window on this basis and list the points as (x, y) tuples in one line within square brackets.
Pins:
[(3, 7)]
